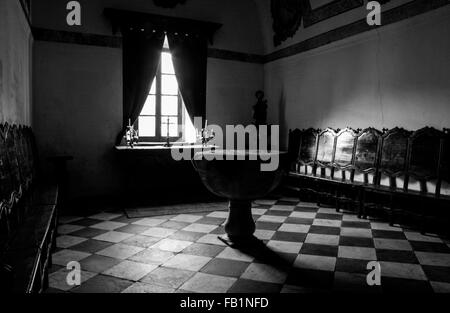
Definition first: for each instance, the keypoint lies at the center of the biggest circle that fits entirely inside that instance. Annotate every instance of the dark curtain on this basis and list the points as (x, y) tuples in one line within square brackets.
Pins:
[(189, 54), (141, 57)]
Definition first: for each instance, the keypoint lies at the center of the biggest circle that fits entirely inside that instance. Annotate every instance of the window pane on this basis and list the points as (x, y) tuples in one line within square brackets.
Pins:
[(147, 126), (149, 106), (167, 64), (166, 43), (173, 130), (169, 85), (153, 88), (169, 105), (173, 126)]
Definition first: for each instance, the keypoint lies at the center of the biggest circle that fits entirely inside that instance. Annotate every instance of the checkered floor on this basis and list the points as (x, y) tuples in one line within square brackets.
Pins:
[(306, 249)]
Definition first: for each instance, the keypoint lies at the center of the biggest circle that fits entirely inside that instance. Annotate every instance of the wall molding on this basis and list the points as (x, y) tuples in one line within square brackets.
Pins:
[(235, 56), (41, 34), (391, 16), (330, 10)]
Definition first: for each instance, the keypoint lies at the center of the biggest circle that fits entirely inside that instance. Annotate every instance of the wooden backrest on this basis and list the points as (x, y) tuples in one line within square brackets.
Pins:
[(17, 159), (367, 150), (325, 147), (344, 154), (26, 153), (415, 161), (345, 146), (20, 154), (423, 159), (393, 159), (13, 161), (5, 189), (444, 167), (32, 151), (308, 146), (5, 174), (326, 144)]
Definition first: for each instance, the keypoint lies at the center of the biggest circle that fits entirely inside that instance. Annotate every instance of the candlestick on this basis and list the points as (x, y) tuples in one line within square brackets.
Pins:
[(168, 121), (168, 144), (131, 135)]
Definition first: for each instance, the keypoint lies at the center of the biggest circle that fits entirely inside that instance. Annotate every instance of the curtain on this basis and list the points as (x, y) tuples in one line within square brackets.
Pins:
[(141, 57), (189, 55)]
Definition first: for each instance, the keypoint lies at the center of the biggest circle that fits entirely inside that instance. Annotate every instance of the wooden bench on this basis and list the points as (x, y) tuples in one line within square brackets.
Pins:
[(400, 174), (28, 215)]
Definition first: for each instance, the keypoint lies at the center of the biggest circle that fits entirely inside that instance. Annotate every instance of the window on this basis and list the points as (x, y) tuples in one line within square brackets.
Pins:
[(164, 113)]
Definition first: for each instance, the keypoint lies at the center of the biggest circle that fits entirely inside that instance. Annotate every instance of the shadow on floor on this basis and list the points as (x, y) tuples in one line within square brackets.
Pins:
[(258, 249)]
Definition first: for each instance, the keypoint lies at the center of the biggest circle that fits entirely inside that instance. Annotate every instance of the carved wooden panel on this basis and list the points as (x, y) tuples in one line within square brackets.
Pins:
[(23, 152), (366, 153), (326, 146), (424, 154), (345, 144), (394, 151), (4, 168), (308, 145), (12, 156)]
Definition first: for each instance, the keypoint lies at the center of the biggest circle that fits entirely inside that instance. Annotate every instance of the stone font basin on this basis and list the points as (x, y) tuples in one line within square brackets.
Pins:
[(240, 181)]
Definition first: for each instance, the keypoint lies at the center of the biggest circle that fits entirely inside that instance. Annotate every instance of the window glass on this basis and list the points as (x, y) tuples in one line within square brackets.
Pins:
[(147, 126), (169, 85), (166, 63), (153, 88), (173, 126), (169, 105), (149, 106)]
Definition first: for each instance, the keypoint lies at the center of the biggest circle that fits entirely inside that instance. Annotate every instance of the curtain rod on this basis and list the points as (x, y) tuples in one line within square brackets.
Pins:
[(131, 19)]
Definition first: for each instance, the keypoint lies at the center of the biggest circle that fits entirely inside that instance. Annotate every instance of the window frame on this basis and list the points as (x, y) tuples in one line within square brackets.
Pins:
[(159, 137)]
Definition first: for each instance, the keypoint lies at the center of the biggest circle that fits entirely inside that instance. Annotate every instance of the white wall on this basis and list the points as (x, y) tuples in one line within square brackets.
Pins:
[(395, 76), (78, 111), (231, 91), (15, 62)]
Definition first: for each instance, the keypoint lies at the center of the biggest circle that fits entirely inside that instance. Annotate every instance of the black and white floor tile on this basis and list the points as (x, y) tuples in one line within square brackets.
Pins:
[(304, 248)]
